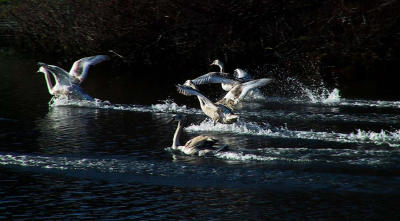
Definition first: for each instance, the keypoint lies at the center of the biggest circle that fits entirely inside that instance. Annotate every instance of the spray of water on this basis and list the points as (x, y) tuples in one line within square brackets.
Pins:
[(249, 128)]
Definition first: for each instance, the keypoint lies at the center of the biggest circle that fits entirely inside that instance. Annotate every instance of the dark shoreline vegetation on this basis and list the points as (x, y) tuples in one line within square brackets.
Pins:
[(350, 45)]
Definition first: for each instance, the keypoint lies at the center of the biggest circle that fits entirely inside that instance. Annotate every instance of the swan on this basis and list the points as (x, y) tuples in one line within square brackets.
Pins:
[(217, 112), (239, 91), (227, 83), (226, 86), (200, 145), (67, 83), (239, 74)]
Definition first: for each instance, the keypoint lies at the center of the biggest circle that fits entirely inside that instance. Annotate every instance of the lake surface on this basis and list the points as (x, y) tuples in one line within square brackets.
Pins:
[(316, 156)]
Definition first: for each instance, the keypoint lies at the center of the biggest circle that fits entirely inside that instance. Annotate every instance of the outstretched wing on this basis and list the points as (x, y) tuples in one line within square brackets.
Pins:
[(188, 91), (213, 77), (240, 91), (80, 68), (251, 85), (59, 74)]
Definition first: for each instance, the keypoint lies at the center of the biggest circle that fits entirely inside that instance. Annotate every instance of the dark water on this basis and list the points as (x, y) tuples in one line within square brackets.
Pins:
[(317, 156)]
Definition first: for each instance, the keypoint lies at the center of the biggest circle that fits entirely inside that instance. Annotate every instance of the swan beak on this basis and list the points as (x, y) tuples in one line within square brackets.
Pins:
[(170, 120), (40, 64)]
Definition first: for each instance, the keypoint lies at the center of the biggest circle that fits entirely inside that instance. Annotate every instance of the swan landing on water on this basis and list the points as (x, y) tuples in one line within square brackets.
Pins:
[(200, 145), (237, 90), (217, 112), (67, 83)]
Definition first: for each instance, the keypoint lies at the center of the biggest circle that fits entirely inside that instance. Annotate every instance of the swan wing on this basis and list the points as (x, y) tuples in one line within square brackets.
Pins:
[(240, 91), (213, 77), (251, 85), (188, 91), (80, 67), (201, 142), (61, 76)]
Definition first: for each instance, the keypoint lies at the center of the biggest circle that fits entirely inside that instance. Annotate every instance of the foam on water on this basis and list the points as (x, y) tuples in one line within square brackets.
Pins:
[(304, 156), (243, 157), (168, 106), (249, 128)]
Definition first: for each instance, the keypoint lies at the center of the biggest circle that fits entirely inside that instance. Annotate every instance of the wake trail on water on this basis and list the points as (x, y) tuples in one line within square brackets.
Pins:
[(383, 137), (390, 138), (123, 169), (168, 106)]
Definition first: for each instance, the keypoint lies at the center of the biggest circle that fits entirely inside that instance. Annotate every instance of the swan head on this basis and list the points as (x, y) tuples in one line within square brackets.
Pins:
[(219, 64), (42, 68), (177, 117), (190, 83)]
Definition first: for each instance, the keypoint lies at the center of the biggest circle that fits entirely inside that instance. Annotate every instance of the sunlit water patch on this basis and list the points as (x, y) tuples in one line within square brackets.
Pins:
[(370, 103), (390, 138)]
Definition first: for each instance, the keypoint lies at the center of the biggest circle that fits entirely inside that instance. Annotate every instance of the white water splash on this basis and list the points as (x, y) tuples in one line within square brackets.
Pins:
[(380, 138), (323, 96), (167, 107), (249, 128), (170, 106)]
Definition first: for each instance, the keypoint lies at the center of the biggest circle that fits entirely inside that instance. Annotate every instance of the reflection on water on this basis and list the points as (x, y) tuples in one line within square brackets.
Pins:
[(65, 130), (322, 158)]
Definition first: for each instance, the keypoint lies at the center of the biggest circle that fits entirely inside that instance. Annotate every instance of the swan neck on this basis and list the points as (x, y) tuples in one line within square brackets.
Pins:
[(221, 68), (178, 131), (202, 104), (48, 81)]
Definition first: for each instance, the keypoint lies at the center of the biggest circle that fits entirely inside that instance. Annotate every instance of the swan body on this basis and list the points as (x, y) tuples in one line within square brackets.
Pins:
[(67, 83), (200, 145), (217, 112), (242, 75)]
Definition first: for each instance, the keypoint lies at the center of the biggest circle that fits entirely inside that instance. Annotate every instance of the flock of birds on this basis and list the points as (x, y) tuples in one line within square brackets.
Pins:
[(238, 86)]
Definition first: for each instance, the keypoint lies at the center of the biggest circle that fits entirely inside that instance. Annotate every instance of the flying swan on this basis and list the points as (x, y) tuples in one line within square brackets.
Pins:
[(217, 112), (67, 83)]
